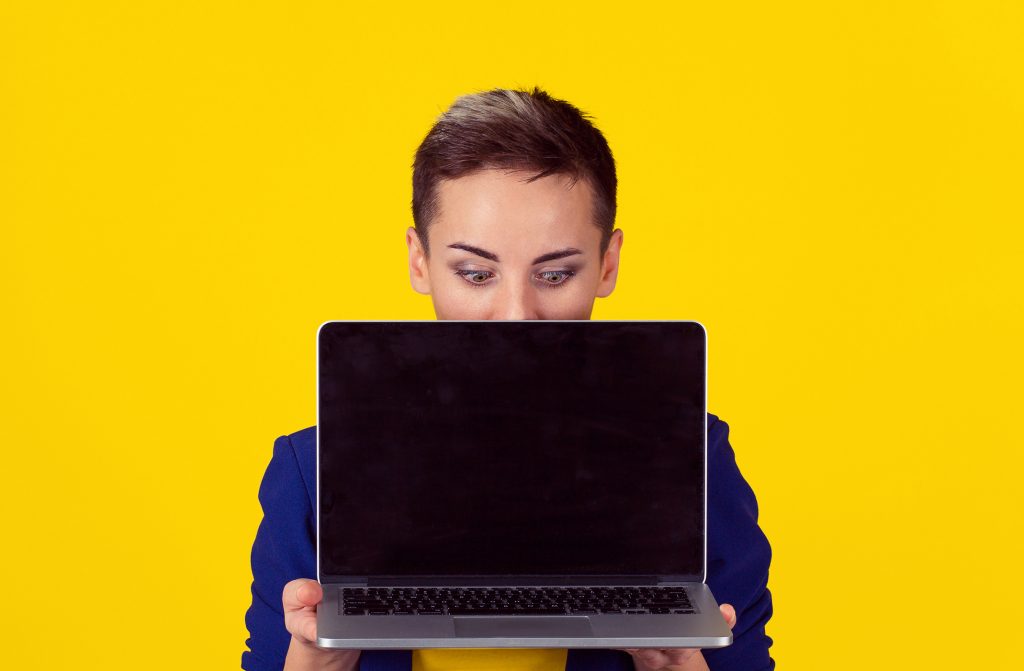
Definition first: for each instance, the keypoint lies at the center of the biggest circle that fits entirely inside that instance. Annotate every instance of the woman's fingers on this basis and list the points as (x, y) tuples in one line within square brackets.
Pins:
[(672, 657), (301, 592), (299, 598), (654, 659), (678, 656), (307, 625), (729, 613), (310, 593)]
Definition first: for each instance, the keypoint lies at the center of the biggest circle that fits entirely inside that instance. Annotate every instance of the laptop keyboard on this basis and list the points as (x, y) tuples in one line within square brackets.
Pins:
[(514, 600)]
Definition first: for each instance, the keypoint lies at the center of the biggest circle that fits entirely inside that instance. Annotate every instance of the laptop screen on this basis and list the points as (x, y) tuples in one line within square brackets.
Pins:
[(504, 448)]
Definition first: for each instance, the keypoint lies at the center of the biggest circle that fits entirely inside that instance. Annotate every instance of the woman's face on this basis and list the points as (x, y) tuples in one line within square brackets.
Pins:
[(501, 248)]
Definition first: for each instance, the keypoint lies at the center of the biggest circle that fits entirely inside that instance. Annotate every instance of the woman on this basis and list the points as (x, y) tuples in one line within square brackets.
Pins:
[(514, 211)]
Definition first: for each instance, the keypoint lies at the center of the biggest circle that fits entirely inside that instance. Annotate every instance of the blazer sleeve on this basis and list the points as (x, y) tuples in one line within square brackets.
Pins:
[(284, 549), (738, 557)]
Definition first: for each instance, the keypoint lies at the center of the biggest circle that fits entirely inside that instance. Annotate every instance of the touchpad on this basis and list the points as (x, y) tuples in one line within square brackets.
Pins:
[(526, 625)]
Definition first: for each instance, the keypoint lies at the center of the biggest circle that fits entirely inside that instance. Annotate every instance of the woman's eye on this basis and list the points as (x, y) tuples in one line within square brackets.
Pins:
[(555, 277), (477, 277)]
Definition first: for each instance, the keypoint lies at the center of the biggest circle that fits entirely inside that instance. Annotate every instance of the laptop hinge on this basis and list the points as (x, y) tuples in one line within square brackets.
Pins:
[(470, 581)]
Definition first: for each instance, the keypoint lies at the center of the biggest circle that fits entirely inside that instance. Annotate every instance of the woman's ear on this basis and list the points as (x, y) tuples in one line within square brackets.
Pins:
[(418, 273), (610, 265)]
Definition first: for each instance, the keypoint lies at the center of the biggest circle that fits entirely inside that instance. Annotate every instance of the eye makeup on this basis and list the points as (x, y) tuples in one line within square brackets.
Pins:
[(481, 278)]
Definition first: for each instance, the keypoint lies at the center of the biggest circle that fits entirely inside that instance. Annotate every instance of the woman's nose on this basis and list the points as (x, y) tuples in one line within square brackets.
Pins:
[(516, 303)]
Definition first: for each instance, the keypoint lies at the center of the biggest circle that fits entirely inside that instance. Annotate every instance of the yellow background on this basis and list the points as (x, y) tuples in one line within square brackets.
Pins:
[(188, 189)]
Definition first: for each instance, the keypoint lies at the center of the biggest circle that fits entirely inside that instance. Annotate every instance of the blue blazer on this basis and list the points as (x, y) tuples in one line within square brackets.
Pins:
[(285, 548)]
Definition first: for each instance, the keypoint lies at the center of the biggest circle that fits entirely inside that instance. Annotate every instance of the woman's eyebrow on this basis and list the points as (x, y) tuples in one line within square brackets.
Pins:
[(550, 256), (560, 254), (475, 250)]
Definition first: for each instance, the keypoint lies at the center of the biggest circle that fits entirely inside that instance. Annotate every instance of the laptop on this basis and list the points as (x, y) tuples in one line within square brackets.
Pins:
[(513, 484)]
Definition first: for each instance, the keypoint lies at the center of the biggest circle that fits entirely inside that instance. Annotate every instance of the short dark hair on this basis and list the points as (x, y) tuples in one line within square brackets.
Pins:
[(514, 130)]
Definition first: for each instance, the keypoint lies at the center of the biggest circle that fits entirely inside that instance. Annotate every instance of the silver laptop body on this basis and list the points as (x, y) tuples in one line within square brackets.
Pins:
[(475, 476)]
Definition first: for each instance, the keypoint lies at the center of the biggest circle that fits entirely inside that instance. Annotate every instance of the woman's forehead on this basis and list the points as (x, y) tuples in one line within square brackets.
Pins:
[(501, 211)]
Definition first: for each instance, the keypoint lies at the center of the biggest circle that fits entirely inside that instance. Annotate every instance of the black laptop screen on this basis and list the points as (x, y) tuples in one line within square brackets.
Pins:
[(511, 448)]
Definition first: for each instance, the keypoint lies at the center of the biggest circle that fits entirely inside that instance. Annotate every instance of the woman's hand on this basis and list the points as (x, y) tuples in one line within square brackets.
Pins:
[(300, 598), (676, 659)]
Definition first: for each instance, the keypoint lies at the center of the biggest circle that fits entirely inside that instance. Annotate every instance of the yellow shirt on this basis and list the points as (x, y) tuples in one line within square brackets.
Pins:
[(487, 659)]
